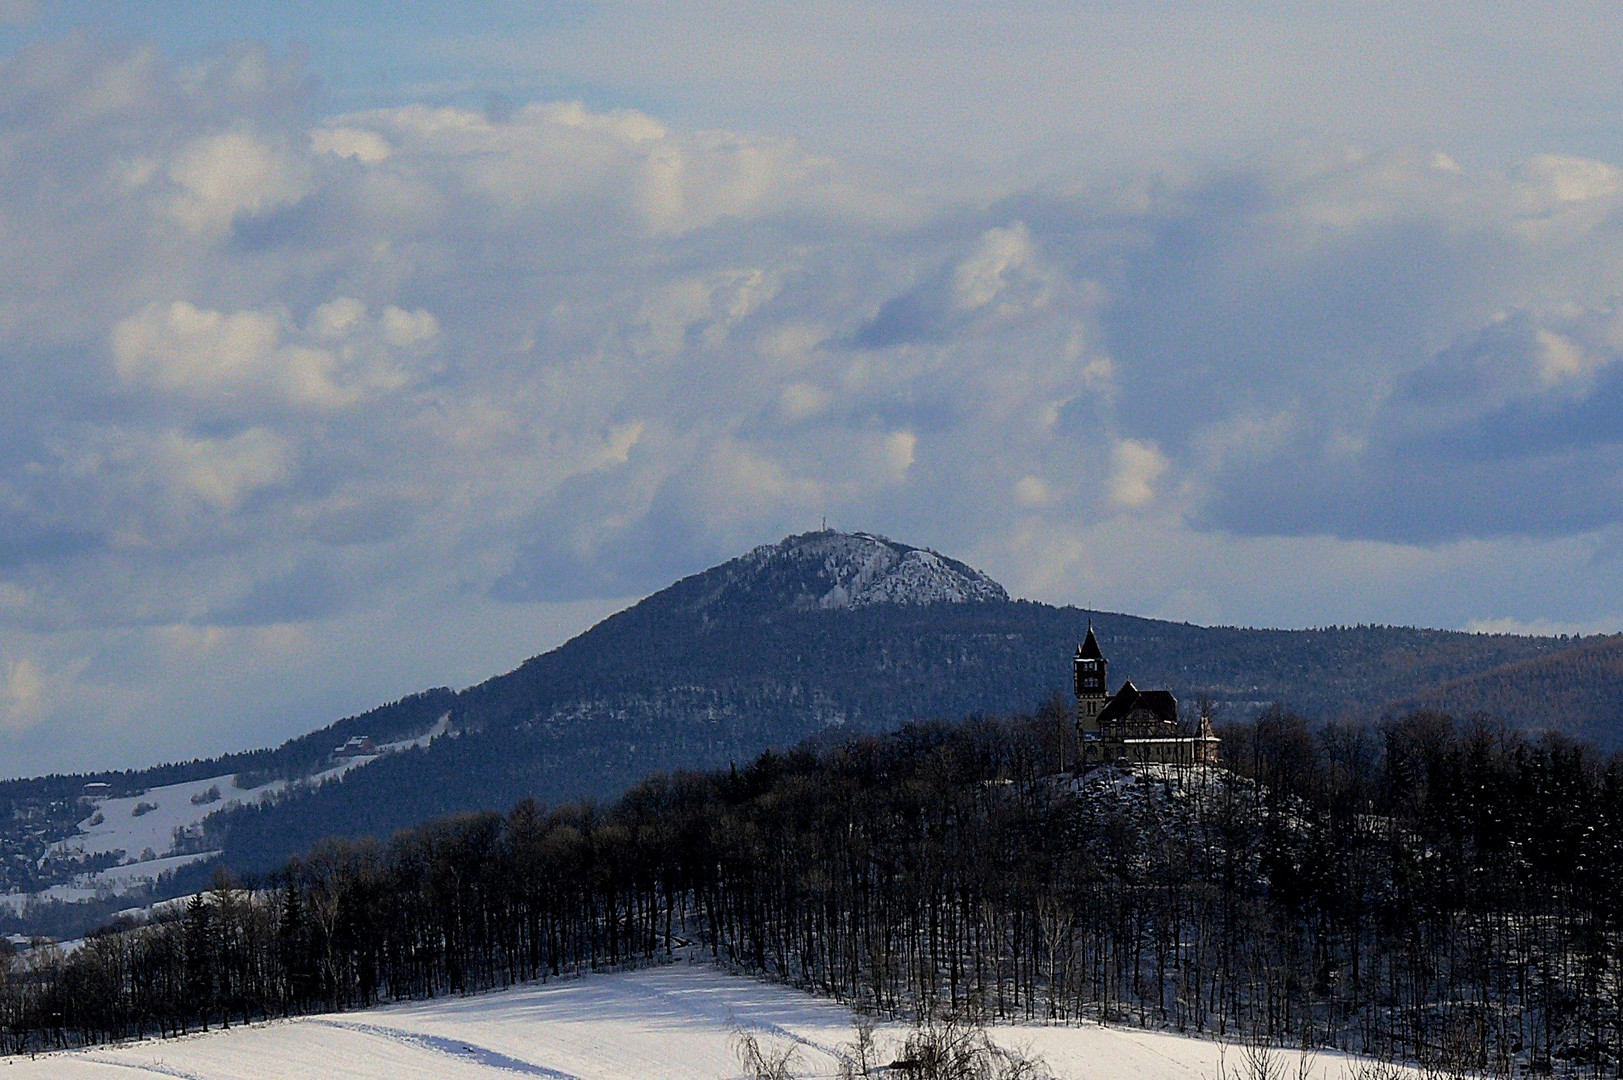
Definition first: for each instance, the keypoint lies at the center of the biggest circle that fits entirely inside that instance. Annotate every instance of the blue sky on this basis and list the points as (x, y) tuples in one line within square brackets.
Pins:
[(351, 349), (361, 53)]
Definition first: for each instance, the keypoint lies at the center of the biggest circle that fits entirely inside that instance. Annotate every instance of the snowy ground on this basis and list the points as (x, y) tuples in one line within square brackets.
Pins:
[(675, 1022), (146, 842), (114, 881)]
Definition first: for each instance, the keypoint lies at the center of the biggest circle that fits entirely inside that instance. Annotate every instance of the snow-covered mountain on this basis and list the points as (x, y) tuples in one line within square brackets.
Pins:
[(840, 570)]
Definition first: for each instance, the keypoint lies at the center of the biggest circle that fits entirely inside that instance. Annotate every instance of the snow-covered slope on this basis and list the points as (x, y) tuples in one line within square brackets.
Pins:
[(676, 1022), (160, 829), (843, 570), (149, 823)]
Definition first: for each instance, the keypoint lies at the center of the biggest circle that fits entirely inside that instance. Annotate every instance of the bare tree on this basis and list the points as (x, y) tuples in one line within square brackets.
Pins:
[(764, 1062)]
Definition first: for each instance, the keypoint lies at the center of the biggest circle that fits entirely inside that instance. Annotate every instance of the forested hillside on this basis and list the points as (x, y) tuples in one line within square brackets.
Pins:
[(662, 686), (825, 633), (832, 633), (1426, 891), (1577, 690)]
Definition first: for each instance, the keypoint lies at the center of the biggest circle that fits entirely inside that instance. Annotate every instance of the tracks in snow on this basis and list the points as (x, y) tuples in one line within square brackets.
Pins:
[(460, 1049), (157, 1068)]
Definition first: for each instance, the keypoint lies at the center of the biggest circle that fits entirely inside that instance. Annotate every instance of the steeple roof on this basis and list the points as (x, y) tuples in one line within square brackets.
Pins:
[(1089, 649)]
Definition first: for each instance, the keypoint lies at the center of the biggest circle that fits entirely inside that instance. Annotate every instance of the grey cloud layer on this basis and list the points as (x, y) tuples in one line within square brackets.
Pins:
[(281, 384)]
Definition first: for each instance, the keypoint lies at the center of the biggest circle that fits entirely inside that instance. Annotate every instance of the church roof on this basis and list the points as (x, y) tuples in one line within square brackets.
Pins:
[(1089, 649), (1130, 697)]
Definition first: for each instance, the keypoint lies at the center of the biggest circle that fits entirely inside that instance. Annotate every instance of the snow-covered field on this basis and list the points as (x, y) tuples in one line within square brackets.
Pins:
[(677, 1022)]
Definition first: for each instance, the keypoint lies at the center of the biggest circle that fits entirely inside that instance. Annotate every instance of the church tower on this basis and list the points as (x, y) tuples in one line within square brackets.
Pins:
[(1092, 686)]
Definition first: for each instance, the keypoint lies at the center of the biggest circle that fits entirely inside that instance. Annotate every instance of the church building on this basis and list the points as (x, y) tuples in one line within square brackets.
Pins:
[(1132, 725)]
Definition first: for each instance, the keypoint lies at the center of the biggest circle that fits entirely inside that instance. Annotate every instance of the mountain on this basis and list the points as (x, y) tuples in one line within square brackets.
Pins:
[(824, 632), (830, 632), (1577, 691), (824, 570)]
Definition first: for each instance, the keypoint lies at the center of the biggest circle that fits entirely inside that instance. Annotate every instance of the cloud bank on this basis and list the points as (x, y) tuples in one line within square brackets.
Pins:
[(304, 410)]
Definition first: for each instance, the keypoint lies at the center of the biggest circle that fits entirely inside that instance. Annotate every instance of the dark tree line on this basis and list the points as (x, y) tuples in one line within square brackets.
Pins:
[(714, 685), (1423, 890)]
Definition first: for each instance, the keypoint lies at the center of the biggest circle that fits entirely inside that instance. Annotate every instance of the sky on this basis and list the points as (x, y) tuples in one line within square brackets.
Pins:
[(349, 349)]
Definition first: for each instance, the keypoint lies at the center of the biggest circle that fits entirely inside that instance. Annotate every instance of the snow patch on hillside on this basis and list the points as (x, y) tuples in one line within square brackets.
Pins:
[(103, 884), (675, 1022), (124, 824), (160, 829)]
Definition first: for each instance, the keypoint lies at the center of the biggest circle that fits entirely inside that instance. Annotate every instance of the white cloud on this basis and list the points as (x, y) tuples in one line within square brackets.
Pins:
[(741, 487), (1564, 179), (1508, 624), (225, 472), (1053, 94), (338, 317), (801, 401), (617, 445), (901, 448), (182, 347), (1135, 468), (563, 155), (999, 261), (1561, 360), (22, 696), (403, 329), (232, 358), (367, 147), (223, 176), (1032, 491), (703, 309), (309, 378)]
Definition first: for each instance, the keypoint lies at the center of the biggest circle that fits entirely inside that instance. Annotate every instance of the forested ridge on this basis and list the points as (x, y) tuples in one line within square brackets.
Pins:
[(1578, 690), (662, 686), (745, 657), (1423, 890)]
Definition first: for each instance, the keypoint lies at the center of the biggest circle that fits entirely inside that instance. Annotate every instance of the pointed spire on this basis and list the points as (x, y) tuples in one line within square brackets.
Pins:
[(1089, 649)]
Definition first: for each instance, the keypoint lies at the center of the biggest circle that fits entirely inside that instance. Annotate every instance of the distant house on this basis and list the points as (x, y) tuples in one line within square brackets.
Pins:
[(357, 746), (1132, 725), (96, 789)]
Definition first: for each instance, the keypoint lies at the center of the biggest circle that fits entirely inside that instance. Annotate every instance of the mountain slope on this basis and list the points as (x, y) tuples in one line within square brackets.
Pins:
[(1577, 691), (829, 632), (824, 632)]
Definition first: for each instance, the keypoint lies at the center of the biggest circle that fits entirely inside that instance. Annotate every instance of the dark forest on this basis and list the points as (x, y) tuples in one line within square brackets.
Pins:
[(1422, 890)]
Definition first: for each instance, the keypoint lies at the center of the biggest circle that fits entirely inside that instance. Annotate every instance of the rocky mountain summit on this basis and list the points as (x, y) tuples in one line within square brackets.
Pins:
[(827, 570)]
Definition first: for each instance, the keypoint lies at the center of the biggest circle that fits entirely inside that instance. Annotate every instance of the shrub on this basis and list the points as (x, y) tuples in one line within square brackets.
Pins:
[(947, 1048), (764, 1062)]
